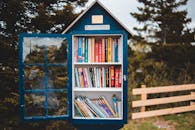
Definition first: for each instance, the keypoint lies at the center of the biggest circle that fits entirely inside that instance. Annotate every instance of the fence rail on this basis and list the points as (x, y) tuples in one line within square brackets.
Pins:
[(143, 91)]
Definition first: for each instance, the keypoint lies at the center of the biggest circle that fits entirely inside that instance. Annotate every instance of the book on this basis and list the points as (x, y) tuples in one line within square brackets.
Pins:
[(86, 50), (116, 50), (83, 49), (109, 50), (112, 76), (80, 57), (77, 77), (89, 50), (94, 108), (103, 50), (81, 78), (116, 77)]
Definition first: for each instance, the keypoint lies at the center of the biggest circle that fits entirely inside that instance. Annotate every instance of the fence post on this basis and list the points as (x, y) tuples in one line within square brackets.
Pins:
[(192, 102), (143, 98)]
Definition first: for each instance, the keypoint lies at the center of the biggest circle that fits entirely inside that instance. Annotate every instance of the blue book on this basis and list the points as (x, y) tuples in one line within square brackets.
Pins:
[(77, 78), (86, 49), (116, 50), (80, 57)]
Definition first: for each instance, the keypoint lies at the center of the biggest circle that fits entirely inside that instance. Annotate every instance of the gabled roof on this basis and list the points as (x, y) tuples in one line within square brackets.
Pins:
[(84, 12)]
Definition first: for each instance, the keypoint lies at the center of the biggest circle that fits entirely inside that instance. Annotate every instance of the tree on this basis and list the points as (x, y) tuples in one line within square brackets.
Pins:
[(163, 21), (38, 16)]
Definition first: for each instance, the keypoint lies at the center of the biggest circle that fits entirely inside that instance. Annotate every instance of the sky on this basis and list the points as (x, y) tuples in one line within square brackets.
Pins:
[(122, 8)]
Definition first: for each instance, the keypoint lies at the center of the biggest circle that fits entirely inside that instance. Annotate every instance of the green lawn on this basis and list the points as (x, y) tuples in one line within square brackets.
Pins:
[(171, 122)]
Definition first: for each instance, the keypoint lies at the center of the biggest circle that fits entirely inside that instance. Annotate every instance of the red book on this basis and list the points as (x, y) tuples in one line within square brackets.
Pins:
[(99, 50), (117, 77), (120, 77), (96, 51), (112, 76)]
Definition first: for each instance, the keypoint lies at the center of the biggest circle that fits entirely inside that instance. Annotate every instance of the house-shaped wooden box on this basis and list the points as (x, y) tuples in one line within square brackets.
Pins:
[(79, 75)]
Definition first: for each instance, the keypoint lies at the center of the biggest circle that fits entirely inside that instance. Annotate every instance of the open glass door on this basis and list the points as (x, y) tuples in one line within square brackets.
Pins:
[(43, 76)]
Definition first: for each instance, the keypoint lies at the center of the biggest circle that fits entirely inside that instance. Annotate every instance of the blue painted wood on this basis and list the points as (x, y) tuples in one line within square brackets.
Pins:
[(99, 127), (21, 76), (78, 29), (96, 10), (45, 65)]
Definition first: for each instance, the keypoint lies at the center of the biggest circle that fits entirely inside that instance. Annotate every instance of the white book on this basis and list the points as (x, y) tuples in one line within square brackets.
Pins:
[(119, 107)]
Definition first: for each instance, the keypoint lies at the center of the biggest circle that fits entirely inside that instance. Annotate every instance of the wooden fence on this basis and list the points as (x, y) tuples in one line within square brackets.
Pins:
[(143, 91)]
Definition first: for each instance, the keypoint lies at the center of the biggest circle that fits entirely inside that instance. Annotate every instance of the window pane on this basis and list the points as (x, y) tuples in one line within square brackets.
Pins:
[(57, 52), (57, 77), (41, 50), (34, 77), (34, 104), (58, 103)]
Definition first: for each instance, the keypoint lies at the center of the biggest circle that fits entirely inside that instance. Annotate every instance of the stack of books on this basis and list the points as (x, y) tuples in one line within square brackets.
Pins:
[(95, 108), (98, 77), (96, 49)]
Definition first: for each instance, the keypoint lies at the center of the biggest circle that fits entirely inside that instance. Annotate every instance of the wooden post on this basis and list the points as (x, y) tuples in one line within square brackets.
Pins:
[(143, 98), (192, 102)]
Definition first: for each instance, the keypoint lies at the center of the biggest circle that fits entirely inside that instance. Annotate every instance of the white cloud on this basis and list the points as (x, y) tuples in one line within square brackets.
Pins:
[(122, 8)]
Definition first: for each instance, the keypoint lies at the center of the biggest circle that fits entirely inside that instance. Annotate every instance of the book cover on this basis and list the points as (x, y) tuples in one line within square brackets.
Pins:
[(81, 78), (85, 78), (109, 49), (92, 49), (77, 78), (116, 50), (120, 77), (103, 49), (96, 50), (112, 76), (86, 50), (106, 49), (76, 49), (99, 50), (80, 58), (89, 50), (83, 49), (117, 77)]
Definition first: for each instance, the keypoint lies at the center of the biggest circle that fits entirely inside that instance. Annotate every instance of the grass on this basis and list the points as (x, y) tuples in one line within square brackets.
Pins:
[(184, 121)]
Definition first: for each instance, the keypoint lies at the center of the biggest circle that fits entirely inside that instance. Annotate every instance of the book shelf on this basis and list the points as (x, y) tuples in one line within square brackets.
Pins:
[(97, 81)]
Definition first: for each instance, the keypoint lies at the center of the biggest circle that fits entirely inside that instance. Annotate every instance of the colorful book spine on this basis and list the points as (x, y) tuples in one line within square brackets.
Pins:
[(81, 78), (80, 58), (103, 50), (116, 77), (89, 50), (116, 50), (120, 76), (109, 50), (106, 49), (77, 78), (83, 49), (96, 51), (112, 76), (92, 49), (86, 49), (76, 49)]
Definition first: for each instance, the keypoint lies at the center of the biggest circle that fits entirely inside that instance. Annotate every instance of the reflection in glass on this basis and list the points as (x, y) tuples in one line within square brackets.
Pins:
[(34, 104), (57, 77), (34, 78), (57, 54), (40, 50), (57, 103)]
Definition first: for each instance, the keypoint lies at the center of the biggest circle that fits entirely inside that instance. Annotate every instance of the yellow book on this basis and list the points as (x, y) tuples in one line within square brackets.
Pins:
[(109, 49)]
